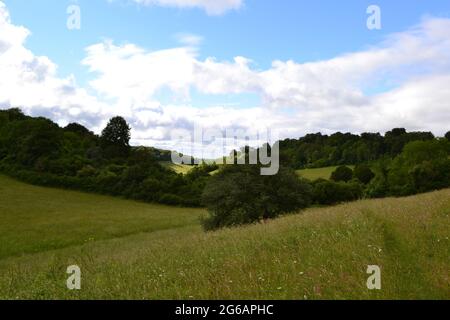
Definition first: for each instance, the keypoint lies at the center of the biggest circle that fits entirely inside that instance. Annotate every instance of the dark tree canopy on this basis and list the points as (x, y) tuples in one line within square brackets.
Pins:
[(117, 132), (422, 166), (328, 192), (239, 194), (363, 173), (38, 151), (447, 135), (77, 128), (396, 132), (342, 173), (319, 150)]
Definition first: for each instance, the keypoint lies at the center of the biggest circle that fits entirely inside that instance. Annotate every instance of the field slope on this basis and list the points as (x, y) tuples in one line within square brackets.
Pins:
[(129, 250), (35, 219), (318, 173)]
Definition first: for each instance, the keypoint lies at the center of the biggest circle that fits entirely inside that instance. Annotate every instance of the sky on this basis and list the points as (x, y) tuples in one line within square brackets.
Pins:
[(169, 66)]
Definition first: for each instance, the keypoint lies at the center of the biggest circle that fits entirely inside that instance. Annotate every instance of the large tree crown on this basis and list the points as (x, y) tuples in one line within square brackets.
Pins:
[(117, 132)]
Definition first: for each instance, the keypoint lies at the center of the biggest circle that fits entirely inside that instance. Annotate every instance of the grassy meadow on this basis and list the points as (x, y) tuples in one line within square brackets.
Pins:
[(35, 219), (130, 250), (178, 168), (318, 173)]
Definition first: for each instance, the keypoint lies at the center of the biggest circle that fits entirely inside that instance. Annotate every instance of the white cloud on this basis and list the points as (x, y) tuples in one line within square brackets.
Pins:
[(30, 82), (332, 95), (212, 7), (134, 75), (319, 92), (189, 39)]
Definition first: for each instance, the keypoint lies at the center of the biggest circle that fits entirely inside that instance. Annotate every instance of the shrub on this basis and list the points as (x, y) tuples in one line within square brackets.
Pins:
[(421, 167), (238, 194), (342, 173), (170, 199), (431, 175), (363, 173), (378, 187), (330, 192), (86, 171)]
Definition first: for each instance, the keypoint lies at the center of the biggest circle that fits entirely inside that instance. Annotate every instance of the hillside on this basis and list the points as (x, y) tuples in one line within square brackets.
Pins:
[(178, 168), (34, 219), (318, 173), (130, 250)]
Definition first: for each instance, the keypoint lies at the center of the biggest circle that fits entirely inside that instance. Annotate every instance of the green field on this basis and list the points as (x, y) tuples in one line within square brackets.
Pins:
[(35, 219), (313, 174), (178, 168), (129, 250)]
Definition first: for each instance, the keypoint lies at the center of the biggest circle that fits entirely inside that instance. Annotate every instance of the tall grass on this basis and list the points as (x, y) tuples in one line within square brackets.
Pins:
[(34, 219), (322, 253)]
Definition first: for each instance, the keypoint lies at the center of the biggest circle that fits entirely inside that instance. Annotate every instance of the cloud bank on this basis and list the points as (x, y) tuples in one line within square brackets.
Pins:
[(403, 81)]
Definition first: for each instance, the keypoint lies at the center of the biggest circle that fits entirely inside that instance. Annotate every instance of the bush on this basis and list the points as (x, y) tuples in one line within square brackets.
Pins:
[(342, 173), (378, 187), (86, 171), (170, 199), (239, 194), (431, 175), (329, 192), (363, 174), (106, 182), (421, 167)]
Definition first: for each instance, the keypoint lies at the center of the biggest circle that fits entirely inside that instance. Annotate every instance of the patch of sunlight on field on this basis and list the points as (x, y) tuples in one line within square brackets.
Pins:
[(321, 253), (178, 168), (318, 173)]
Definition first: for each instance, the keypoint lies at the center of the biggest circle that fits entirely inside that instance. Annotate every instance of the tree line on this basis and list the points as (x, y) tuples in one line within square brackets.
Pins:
[(38, 151), (318, 150), (400, 163)]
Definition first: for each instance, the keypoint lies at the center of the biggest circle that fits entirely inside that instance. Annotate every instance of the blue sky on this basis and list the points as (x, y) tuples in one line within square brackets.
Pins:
[(298, 66), (263, 30)]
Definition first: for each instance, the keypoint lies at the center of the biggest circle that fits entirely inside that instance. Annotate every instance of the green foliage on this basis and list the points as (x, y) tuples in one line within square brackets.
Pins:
[(421, 167), (447, 135), (117, 132), (13, 114), (25, 141), (363, 173), (378, 186), (239, 194), (431, 175), (342, 173), (115, 138), (78, 129), (87, 171), (38, 151), (317, 150), (329, 192)]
